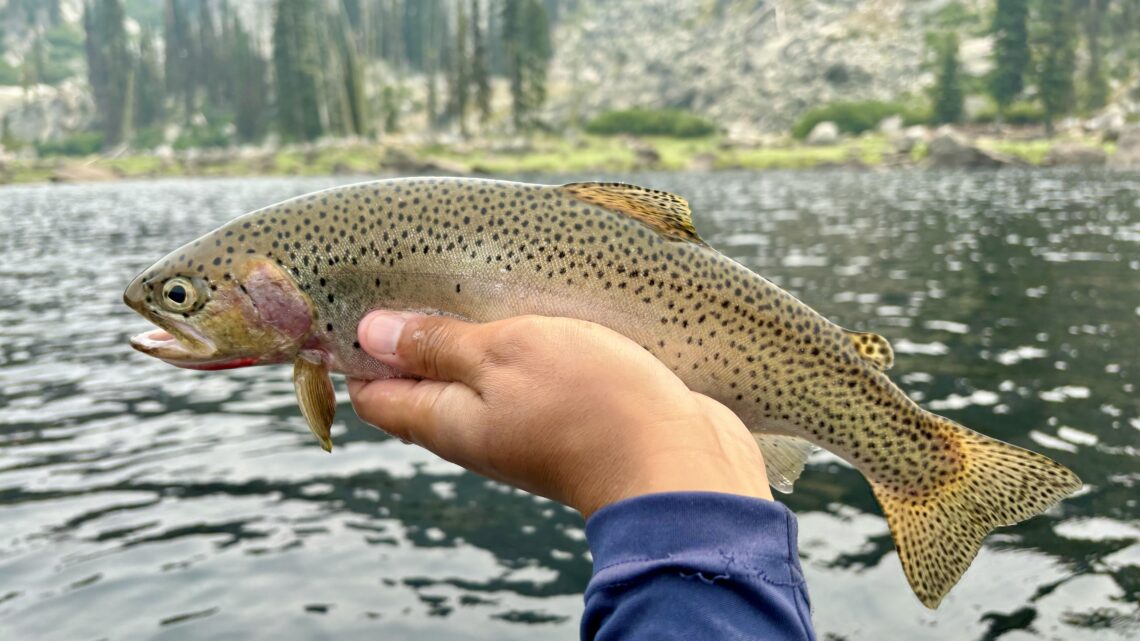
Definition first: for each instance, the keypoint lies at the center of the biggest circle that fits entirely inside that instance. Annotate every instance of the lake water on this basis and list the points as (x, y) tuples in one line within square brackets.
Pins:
[(141, 501)]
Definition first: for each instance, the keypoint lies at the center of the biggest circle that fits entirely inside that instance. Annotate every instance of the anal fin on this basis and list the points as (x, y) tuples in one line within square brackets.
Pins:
[(316, 397), (784, 459)]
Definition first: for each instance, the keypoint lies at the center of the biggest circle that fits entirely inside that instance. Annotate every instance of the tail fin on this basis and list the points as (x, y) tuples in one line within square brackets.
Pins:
[(938, 533)]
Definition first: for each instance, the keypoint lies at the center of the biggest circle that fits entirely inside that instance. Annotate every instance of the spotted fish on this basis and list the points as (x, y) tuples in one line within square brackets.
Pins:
[(289, 283)]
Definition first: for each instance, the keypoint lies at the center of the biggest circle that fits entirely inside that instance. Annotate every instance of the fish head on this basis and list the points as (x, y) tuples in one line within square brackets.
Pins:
[(215, 311)]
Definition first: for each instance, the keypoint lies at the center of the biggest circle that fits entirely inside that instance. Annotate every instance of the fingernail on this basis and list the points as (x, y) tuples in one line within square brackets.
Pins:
[(380, 331)]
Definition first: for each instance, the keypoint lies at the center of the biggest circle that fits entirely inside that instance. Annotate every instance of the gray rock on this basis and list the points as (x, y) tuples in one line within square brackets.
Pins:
[(1127, 154), (824, 133), (891, 125), (1075, 153), (951, 150)]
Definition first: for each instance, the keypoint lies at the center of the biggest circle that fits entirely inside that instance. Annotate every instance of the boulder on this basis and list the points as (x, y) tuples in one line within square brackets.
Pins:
[(891, 125), (1127, 154), (824, 133), (1108, 124), (950, 150), (1075, 153)]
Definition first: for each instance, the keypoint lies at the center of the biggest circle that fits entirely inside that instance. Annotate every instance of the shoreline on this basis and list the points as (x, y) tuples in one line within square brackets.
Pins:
[(548, 154)]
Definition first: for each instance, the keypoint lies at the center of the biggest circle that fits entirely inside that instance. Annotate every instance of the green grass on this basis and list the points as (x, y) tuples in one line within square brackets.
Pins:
[(548, 154)]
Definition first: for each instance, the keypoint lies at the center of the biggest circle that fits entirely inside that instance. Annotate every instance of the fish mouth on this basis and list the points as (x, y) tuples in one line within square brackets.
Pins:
[(179, 347)]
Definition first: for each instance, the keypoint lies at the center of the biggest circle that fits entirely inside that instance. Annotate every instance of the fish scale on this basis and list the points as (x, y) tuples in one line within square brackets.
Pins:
[(290, 283)]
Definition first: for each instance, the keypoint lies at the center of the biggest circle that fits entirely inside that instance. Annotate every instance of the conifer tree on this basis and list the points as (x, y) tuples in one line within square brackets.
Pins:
[(1096, 80), (149, 96), (108, 66), (296, 64), (1057, 59), (1011, 51), (480, 71), (249, 69), (947, 94), (460, 70)]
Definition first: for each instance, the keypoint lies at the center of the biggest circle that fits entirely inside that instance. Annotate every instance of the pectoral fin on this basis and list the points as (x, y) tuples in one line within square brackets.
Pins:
[(316, 397)]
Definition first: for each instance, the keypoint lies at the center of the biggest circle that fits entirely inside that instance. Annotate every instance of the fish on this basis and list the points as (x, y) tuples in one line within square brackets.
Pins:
[(289, 283)]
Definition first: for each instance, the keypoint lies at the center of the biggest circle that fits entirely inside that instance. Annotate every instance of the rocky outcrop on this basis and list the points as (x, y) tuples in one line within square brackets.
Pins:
[(951, 150), (44, 113), (1075, 153), (1127, 154)]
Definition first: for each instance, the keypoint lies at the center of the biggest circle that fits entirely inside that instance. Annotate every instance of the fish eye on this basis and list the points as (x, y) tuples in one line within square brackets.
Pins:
[(179, 294)]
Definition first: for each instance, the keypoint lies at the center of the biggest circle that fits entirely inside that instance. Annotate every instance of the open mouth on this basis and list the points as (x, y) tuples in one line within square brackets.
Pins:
[(179, 345), (186, 351)]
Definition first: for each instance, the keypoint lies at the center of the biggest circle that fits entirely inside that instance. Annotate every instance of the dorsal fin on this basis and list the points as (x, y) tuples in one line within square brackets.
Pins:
[(873, 348), (666, 213)]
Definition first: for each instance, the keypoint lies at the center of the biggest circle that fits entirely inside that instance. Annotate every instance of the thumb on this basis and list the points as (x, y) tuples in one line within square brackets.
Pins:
[(432, 347)]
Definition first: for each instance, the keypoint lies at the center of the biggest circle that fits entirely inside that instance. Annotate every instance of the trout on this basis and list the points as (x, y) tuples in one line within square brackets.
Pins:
[(290, 282)]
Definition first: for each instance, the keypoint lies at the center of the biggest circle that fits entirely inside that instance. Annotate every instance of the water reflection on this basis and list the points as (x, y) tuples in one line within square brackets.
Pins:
[(160, 501)]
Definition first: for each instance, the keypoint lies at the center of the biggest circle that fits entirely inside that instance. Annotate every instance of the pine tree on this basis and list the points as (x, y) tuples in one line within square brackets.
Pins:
[(527, 52), (460, 70), (208, 64), (1096, 79), (1057, 59), (249, 69), (296, 63), (480, 72), (148, 93), (1011, 51), (539, 53), (108, 66), (179, 59), (947, 93)]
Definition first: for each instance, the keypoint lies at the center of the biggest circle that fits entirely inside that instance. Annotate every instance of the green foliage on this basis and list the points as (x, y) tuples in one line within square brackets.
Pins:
[(1022, 112), (651, 122), (212, 135), (1011, 50), (147, 137), (855, 117), (81, 144), (947, 94)]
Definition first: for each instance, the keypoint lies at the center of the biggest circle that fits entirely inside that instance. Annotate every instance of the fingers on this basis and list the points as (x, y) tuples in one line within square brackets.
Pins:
[(440, 416), (434, 347)]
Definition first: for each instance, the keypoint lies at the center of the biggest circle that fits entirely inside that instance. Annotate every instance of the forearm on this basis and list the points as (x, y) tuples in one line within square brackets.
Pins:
[(690, 565)]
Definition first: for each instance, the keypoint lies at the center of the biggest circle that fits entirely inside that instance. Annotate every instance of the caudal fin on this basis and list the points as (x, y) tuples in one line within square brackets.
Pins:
[(939, 532)]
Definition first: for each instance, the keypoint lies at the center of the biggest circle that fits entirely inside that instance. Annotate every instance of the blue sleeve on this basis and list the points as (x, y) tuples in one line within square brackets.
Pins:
[(695, 565)]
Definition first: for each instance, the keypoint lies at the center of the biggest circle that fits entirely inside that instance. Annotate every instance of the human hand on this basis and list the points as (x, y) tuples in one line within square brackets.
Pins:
[(562, 408)]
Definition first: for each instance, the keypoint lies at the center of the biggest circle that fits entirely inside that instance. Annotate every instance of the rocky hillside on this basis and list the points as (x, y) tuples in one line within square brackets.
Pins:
[(751, 66)]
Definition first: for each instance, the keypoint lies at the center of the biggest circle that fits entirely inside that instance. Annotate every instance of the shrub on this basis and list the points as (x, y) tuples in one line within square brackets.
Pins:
[(148, 137), (651, 122), (1024, 113), (851, 117), (80, 144), (202, 137)]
